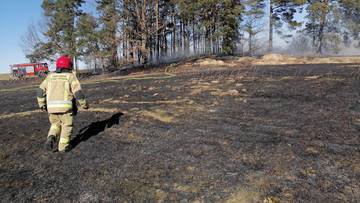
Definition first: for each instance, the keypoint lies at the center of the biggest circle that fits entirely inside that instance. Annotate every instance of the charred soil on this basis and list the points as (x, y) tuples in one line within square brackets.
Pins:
[(236, 134)]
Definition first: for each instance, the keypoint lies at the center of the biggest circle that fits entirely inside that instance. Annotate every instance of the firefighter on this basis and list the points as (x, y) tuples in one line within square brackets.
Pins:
[(56, 95)]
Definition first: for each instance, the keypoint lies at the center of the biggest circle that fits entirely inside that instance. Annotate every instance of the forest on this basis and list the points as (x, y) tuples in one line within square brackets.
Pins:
[(118, 32)]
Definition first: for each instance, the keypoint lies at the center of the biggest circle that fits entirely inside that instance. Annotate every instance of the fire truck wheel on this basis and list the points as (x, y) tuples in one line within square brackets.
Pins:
[(42, 74)]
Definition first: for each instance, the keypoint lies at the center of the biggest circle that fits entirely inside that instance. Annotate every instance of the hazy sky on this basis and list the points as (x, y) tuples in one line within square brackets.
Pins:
[(15, 16)]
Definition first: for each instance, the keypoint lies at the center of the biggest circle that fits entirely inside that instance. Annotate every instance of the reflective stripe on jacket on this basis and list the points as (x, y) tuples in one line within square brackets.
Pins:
[(57, 104)]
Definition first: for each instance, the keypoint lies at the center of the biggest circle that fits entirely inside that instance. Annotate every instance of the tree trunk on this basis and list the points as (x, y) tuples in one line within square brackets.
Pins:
[(165, 44), (131, 51), (124, 49), (173, 34), (211, 48), (271, 25), (157, 45), (181, 37), (214, 41), (144, 36), (207, 41), (151, 49), (194, 36), (143, 48), (322, 25), (186, 38), (250, 44)]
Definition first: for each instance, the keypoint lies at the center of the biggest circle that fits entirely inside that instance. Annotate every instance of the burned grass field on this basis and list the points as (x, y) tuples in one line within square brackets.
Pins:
[(242, 134)]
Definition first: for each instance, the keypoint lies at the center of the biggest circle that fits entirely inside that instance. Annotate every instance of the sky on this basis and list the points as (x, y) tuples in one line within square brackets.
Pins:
[(15, 17)]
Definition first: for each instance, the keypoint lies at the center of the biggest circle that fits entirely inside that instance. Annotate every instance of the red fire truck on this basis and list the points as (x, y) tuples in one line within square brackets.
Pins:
[(29, 70)]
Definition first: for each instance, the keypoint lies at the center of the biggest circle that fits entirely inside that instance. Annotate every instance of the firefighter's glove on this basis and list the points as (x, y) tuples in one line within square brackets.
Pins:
[(43, 108), (85, 106)]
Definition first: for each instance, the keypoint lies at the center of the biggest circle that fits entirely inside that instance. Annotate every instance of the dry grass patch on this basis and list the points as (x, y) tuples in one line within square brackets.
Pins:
[(288, 78), (312, 77), (4, 76), (29, 113), (160, 195), (22, 88), (131, 137), (209, 62), (202, 87), (221, 93), (189, 107), (147, 102), (186, 188), (20, 114), (244, 195), (106, 100), (103, 110), (273, 59), (159, 115)]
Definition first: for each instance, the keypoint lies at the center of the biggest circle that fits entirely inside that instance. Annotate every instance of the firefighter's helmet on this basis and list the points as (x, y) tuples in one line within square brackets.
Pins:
[(64, 62)]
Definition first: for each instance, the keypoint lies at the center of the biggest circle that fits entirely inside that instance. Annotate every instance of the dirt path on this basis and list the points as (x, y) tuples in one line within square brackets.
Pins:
[(288, 133)]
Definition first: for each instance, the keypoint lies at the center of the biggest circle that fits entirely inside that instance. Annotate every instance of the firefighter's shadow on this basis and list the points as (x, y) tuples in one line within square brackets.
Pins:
[(94, 129)]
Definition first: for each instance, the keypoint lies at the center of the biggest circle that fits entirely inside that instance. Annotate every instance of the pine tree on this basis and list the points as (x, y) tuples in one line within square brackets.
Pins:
[(88, 40), (351, 11), (231, 11), (187, 19), (280, 12), (323, 25), (61, 33), (109, 18), (252, 15)]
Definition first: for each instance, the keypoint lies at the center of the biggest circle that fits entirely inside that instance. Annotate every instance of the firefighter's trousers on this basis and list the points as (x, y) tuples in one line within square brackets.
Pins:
[(61, 125)]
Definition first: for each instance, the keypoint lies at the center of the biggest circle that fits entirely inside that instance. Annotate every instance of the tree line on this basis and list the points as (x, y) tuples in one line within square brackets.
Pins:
[(151, 31)]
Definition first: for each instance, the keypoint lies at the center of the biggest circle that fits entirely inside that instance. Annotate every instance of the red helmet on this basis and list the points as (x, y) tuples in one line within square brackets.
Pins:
[(64, 62)]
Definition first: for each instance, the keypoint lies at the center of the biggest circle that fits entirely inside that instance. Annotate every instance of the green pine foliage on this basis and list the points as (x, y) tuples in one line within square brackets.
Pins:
[(108, 20), (149, 31), (283, 12), (229, 22), (87, 36), (351, 11), (252, 25), (323, 25), (61, 33)]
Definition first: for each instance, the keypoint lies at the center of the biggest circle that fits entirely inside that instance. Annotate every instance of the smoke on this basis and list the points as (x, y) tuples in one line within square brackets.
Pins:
[(350, 51), (333, 45)]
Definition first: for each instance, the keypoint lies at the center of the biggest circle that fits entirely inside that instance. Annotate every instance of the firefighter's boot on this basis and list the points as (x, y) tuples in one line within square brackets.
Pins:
[(68, 148), (50, 144)]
